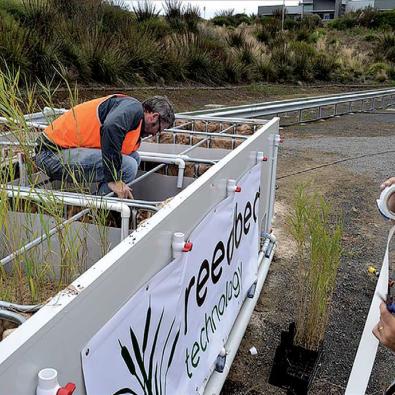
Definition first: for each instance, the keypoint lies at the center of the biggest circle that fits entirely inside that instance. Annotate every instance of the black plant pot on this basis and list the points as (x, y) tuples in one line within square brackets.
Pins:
[(293, 366)]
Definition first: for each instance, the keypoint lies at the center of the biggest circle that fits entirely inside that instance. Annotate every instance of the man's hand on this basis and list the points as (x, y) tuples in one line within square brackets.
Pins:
[(385, 329), (387, 183), (121, 189)]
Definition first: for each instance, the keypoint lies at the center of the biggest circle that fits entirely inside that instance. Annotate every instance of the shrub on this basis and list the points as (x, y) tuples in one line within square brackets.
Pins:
[(386, 19), (302, 35), (228, 18), (157, 28), (200, 62), (174, 11), (39, 15), (236, 38), (282, 62), (106, 60), (379, 71), (14, 43), (368, 17), (192, 17), (387, 46), (265, 69), (222, 21), (318, 236), (370, 37), (311, 22), (145, 10), (290, 24), (268, 29), (344, 22), (324, 66), (302, 62)]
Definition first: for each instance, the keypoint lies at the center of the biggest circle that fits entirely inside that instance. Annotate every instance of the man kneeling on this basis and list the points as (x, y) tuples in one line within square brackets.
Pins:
[(97, 141)]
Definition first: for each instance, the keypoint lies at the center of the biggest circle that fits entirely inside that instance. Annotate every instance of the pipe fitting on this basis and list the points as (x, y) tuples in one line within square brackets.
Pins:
[(47, 382), (178, 244), (232, 187), (269, 236)]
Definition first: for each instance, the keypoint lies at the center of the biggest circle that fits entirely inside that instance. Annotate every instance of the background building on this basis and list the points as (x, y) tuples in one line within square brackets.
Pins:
[(326, 9)]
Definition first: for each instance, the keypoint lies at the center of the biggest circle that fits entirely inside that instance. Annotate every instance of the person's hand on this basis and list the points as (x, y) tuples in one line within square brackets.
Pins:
[(121, 189), (387, 183), (385, 329)]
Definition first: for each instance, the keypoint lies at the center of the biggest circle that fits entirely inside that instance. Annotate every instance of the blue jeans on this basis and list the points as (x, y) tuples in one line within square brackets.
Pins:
[(84, 165)]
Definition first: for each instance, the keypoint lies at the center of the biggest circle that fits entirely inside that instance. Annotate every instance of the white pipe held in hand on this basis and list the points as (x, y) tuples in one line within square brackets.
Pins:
[(382, 202)]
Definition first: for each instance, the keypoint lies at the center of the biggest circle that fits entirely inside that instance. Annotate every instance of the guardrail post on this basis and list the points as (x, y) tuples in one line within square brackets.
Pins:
[(319, 112), (300, 115)]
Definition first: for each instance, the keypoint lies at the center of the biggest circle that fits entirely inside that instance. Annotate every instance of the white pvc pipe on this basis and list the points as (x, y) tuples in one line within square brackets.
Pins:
[(122, 208), (47, 382), (186, 158), (216, 381), (144, 204), (177, 244), (176, 161), (277, 140), (30, 124)]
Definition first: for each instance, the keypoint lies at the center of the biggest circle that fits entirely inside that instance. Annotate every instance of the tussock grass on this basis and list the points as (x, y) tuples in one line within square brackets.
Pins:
[(103, 41), (35, 274), (318, 236)]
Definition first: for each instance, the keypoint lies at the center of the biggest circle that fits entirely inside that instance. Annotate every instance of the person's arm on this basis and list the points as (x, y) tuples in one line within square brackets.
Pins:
[(123, 117), (391, 200), (385, 329)]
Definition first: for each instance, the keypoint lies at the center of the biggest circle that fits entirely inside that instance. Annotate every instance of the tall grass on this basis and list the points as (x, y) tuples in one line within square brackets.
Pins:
[(318, 236), (103, 41), (31, 276)]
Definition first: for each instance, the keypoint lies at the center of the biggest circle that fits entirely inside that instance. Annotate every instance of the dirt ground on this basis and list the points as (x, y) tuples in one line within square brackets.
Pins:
[(352, 187)]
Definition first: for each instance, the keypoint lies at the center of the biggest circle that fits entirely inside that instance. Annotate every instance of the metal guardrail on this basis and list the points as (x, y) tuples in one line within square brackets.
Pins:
[(368, 101)]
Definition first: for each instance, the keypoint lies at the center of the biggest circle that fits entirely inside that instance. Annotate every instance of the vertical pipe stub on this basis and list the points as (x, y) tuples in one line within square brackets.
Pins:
[(47, 382), (178, 244)]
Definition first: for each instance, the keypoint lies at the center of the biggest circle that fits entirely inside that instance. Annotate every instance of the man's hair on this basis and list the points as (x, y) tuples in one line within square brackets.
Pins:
[(161, 105)]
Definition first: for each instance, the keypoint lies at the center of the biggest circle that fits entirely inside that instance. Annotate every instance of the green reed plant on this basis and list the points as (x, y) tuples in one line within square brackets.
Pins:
[(34, 275), (318, 233)]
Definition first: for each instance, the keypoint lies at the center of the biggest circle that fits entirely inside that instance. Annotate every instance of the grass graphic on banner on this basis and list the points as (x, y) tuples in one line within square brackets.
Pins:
[(151, 385)]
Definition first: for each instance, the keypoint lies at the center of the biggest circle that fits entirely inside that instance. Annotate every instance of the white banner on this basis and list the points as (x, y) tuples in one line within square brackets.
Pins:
[(166, 338)]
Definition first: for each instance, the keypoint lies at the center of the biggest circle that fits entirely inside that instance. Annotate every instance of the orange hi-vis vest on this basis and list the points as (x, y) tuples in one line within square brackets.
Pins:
[(80, 128)]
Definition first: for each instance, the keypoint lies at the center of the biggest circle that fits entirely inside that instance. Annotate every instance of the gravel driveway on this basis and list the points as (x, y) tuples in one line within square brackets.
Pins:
[(352, 187)]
